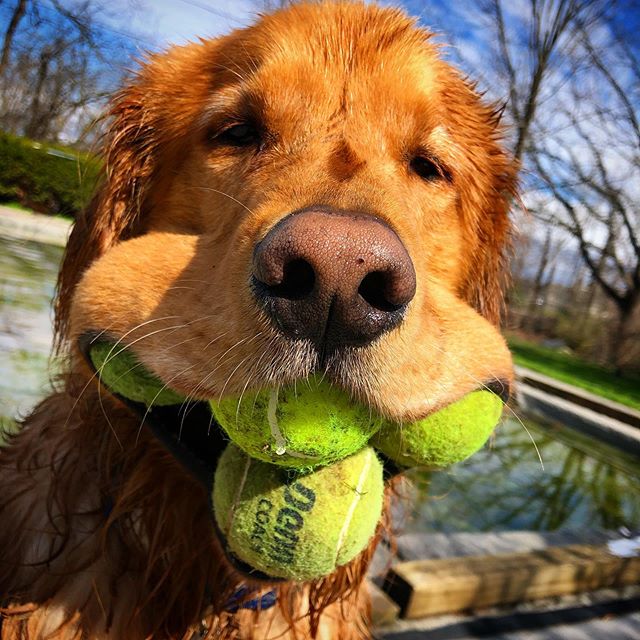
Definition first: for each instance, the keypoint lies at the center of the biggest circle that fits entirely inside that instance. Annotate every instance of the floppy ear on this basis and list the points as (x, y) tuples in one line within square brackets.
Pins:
[(151, 115), (116, 207), (490, 274), (491, 196)]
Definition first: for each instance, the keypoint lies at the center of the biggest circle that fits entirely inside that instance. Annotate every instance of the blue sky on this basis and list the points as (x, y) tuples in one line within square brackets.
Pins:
[(177, 21), (164, 22), (155, 24)]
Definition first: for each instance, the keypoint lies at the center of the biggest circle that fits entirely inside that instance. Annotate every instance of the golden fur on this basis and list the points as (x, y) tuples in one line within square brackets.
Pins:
[(348, 93)]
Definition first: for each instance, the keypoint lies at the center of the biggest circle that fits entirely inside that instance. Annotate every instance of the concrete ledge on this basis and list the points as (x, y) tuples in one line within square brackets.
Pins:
[(579, 396), (423, 546), (552, 407), (33, 227)]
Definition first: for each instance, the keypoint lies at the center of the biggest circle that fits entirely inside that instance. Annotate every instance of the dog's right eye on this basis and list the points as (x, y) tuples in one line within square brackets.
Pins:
[(238, 135)]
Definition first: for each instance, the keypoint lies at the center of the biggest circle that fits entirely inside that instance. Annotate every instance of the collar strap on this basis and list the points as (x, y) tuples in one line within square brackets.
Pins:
[(259, 603)]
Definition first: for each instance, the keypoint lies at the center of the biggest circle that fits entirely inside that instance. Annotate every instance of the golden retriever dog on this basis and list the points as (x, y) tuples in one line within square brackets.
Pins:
[(316, 193)]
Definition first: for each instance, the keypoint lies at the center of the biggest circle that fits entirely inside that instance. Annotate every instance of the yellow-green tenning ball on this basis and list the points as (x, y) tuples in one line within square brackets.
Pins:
[(297, 526), (119, 370), (445, 437), (309, 425)]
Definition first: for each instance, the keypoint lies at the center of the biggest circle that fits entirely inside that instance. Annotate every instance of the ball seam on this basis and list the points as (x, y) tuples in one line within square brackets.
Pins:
[(352, 507), (276, 433), (238, 496)]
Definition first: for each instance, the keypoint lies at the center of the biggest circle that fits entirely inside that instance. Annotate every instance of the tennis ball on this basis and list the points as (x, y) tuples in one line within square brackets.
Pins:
[(120, 371), (311, 424), (297, 526), (447, 436)]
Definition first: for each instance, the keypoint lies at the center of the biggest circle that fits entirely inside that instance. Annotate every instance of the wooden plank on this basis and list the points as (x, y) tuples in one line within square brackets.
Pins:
[(431, 587), (384, 610)]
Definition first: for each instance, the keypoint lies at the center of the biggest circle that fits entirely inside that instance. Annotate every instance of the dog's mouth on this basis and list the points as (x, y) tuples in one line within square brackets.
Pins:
[(197, 434), (196, 431)]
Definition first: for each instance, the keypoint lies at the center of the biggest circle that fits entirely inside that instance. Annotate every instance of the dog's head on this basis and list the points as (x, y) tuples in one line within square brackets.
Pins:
[(318, 192)]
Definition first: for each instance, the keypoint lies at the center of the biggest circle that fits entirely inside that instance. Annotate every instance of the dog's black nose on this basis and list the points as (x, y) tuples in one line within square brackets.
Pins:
[(334, 277)]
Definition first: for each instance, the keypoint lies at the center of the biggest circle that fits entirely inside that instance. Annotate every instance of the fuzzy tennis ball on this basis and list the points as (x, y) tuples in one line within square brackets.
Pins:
[(297, 526), (120, 371), (447, 436), (311, 424)]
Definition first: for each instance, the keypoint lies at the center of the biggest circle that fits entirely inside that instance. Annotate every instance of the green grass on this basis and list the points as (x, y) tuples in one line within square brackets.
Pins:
[(50, 179), (17, 206), (599, 380)]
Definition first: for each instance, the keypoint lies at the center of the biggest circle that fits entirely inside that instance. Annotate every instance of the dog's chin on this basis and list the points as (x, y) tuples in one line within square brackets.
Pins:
[(351, 369), (343, 365), (291, 361)]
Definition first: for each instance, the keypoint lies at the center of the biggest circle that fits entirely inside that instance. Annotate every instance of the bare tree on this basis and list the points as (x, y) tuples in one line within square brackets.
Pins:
[(542, 279), (589, 162), (548, 32), (528, 43), (572, 83), (57, 64)]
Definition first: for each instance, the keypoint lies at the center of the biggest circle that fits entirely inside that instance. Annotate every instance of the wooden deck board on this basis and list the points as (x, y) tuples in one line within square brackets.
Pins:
[(437, 586)]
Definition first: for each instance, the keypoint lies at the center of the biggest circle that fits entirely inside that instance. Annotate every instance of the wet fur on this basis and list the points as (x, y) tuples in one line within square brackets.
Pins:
[(102, 534)]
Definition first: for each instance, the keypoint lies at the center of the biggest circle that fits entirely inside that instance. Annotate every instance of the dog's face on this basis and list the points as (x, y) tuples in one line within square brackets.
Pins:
[(316, 193)]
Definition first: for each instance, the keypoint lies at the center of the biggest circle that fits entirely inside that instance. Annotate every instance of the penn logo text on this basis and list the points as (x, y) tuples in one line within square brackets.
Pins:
[(284, 525)]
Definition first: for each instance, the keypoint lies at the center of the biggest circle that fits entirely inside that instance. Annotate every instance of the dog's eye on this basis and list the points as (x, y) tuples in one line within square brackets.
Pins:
[(239, 135), (428, 169)]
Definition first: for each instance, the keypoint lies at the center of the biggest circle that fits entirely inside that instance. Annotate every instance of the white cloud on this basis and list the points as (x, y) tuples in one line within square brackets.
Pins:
[(160, 23), (180, 21)]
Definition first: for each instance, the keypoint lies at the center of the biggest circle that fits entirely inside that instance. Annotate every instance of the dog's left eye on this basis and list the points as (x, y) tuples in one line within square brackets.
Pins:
[(429, 169), (239, 135)]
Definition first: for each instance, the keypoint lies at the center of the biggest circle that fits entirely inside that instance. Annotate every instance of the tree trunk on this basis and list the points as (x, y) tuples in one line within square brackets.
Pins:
[(619, 336), (37, 123), (532, 312), (18, 14)]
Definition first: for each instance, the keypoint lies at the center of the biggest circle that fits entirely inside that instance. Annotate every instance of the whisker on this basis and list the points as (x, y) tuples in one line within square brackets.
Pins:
[(487, 388), (110, 355), (222, 193), (106, 417), (517, 417), (219, 362), (150, 405), (95, 374), (267, 350), (224, 386), (190, 400), (175, 327)]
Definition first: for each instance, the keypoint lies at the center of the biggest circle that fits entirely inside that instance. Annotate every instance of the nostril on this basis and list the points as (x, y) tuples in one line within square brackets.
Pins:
[(373, 290), (298, 280), (336, 278)]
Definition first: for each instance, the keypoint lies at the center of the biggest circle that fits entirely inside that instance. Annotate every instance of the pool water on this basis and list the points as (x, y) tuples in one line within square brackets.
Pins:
[(584, 483), (504, 487), (28, 273)]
